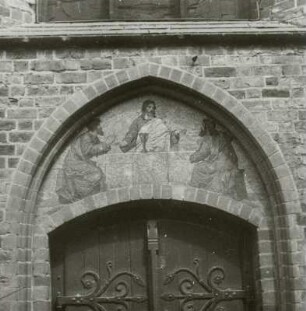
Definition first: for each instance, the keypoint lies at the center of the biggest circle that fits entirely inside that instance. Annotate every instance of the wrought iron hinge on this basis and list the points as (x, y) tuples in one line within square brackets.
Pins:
[(98, 296)]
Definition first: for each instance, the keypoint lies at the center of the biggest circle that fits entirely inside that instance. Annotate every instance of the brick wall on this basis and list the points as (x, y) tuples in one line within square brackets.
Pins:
[(14, 12), (290, 11), (268, 81)]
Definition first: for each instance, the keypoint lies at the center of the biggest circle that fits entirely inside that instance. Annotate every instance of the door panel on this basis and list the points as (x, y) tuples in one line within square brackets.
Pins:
[(152, 265), (103, 269), (196, 262)]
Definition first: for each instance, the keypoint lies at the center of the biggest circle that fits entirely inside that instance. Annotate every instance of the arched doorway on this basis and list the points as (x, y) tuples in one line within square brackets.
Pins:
[(38, 162), (154, 255)]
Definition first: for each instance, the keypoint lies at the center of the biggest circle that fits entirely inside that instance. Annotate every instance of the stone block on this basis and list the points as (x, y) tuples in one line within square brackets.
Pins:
[(178, 192), (208, 89), (216, 72), (247, 82), (25, 125), (275, 93), (266, 71), (42, 90), (201, 196), (9, 242), (294, 70), (154, 69), (134, 193), (7, 125), (272, 81), (41, 280), (7, 150), (171, 61), (44, 135), (157, 191), (253, 93), (70, 107), (100, 86), (134, 73), (121, 63), (3, 138), (196, 60), (122, 77), (238, 94), (187, 79), (175, 75), (146, 191), (282, 115), (124, 194), (6, 66), (39, 78), (112, 197), (20, 137), (71, 77), (4, 91), (300, 126), (257, 105), (90, 92), (41, 293), (166, 192), (23, 113), (298, 92), (111, 81), (21, 66), (198, 84), (164, 72), (47, 65), (16, 90)]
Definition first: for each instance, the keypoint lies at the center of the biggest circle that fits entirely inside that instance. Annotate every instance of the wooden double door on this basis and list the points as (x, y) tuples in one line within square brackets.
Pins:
[(152, 264)]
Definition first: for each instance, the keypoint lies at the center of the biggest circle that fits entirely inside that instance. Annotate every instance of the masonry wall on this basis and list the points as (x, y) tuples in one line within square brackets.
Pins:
[(14, 12), (269, 81)]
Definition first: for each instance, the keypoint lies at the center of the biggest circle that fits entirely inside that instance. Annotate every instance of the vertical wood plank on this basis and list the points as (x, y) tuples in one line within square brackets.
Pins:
[(58, 273), (138, 263)]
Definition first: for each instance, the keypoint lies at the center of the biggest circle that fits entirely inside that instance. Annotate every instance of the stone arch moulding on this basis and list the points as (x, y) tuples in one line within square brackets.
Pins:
[(276, 174)]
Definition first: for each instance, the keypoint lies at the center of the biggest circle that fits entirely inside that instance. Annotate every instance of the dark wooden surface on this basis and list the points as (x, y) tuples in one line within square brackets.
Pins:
[(110, 245)]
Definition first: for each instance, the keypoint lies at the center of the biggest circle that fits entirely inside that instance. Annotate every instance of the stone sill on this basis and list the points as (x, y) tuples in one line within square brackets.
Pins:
[(65, 32)]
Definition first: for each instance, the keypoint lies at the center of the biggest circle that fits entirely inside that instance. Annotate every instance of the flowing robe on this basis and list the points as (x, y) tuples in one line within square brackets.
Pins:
[(150, 162), (216, 167), (79, 176)]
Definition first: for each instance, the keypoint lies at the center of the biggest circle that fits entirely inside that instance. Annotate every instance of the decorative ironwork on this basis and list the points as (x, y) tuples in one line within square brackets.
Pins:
[(210, 293), (96, 299)]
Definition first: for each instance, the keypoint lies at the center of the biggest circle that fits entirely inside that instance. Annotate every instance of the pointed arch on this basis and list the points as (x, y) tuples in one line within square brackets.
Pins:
[(267, 155)]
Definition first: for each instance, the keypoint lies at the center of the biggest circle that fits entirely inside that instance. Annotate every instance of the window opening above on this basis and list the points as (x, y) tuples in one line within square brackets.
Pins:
[(145, 10)]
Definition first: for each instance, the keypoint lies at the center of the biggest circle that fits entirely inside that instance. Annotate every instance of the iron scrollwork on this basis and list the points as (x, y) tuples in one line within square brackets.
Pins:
[(96, 298), (209, 290)]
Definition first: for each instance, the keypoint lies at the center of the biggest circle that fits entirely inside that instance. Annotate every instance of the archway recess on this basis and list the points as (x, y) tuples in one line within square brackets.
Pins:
[(228, 111), (153, 248)]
